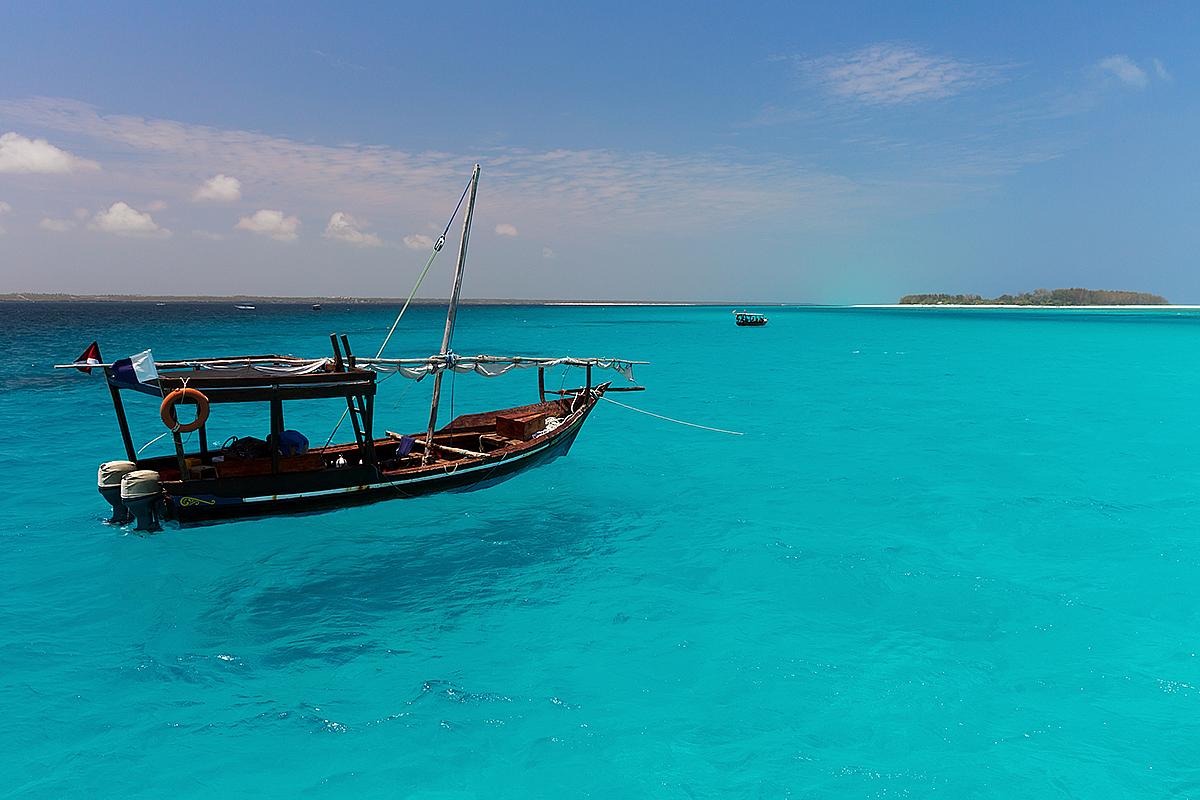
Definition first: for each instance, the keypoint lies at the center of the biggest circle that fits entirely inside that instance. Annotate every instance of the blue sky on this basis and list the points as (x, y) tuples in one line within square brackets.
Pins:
[(681, 151)]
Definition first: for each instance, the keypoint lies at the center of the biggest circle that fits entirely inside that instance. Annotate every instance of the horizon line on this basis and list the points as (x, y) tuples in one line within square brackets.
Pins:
[(42, 297)]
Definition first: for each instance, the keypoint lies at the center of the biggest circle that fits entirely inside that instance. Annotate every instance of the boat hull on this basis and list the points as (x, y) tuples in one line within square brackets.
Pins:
[(204, 501)]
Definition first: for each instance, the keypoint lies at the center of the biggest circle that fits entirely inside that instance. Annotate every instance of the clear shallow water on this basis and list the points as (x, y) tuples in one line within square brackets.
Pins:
[(956, 554)]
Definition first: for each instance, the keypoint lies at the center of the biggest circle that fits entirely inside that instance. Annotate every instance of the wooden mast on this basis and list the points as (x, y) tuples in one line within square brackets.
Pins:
[(451, 313)]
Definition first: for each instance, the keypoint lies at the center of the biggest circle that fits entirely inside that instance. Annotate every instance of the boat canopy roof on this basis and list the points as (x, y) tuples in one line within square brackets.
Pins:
[(491, 366), (252, 378), (237, 379)]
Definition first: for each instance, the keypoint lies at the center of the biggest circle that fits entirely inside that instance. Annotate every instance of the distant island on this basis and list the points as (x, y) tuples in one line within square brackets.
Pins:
[(1040, 297)]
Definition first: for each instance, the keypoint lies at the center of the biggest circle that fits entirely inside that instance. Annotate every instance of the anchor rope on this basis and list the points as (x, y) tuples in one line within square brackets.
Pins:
[(670, 419)]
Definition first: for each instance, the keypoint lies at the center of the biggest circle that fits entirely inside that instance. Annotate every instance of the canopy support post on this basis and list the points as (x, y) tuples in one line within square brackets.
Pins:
[(276, 428), (179, 457), (541, 384), (122, 422), (368, 444)]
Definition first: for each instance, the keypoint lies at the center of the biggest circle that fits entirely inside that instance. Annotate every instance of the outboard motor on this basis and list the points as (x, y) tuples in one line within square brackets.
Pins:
[(140, 493), (108, 481)]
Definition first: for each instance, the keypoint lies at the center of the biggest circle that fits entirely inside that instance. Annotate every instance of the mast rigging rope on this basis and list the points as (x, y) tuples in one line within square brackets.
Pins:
[(437, 247)]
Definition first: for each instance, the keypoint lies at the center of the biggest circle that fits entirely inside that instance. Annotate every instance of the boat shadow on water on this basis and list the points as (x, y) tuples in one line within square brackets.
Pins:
[(427, 582)]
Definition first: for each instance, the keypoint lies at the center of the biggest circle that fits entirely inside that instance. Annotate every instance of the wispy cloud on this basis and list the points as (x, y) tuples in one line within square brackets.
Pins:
[(506, 229), (596, 187), (893, 74), (418, 241), (1124, 70), (345, 228), (56, 225), (336, 62), (1129, 73), (20, 154)]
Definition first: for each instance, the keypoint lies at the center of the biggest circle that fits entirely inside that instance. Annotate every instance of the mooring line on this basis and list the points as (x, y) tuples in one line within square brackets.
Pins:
[(669, 419)]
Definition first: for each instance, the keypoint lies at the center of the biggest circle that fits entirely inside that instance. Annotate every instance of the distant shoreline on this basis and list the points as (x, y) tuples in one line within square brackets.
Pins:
[(241, 299)]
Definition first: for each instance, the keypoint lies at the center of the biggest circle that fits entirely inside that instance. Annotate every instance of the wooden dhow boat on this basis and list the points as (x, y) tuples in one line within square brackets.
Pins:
[(280, 475)]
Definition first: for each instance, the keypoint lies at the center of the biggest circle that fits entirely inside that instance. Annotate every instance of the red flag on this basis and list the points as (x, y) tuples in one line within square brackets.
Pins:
[(90, 356)]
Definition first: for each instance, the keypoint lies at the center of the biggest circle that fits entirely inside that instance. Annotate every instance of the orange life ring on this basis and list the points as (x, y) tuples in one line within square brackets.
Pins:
[(167, 410)]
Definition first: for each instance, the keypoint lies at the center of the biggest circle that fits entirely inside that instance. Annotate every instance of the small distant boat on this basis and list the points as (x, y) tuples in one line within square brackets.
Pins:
[(748, 319), (316, 306), (160, 304), (245, 308)]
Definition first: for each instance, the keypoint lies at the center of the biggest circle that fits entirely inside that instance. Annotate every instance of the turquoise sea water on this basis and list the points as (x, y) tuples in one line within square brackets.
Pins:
[(956, 554)]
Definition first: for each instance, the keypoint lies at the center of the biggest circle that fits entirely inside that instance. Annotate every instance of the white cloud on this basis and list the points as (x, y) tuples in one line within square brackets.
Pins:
[(1160, 69), (219, 189), (346, 228), (506, 229), (418, 241), (892, 74), (1124, 70), (156, 205), (584, 189), (123, 220), (21, 154), (270, 223), (81, 214), (4, 207), (56, 225), (548, 253)]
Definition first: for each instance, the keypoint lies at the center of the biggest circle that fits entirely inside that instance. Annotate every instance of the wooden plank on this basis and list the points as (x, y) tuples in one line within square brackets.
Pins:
[(458, 451)]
